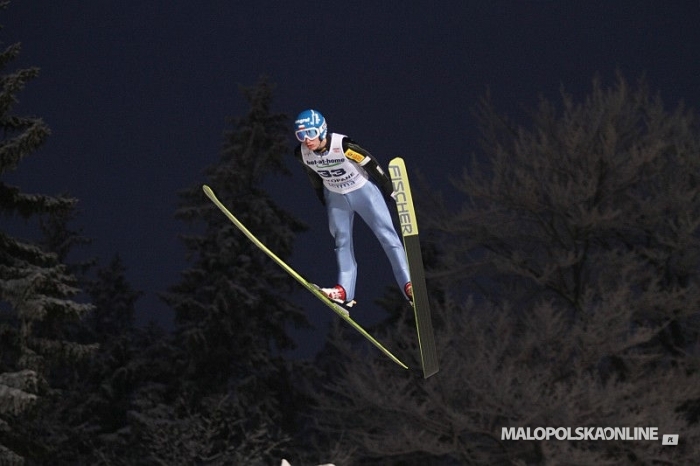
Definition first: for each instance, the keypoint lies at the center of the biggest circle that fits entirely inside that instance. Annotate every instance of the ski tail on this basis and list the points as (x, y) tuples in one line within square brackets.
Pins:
[(308, 285), (409, 231)]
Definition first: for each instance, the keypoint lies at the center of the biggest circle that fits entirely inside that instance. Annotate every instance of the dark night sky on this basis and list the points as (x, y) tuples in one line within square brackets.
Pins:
[(137, 92)]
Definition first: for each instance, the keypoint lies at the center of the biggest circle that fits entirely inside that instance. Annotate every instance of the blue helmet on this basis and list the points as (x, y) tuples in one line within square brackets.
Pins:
[(310, 124)]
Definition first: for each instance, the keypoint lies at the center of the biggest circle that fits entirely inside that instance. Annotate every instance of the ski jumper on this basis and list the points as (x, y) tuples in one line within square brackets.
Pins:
[(348, 180)]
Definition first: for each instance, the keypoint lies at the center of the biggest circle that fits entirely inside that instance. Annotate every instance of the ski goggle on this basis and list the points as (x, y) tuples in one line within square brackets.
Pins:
[(310, 133)]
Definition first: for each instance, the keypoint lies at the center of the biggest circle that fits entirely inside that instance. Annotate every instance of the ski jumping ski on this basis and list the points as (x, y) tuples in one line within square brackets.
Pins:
[(409, 231), (314, 289)]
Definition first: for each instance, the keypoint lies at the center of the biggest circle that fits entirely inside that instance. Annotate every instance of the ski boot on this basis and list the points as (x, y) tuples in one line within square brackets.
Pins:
[(338, 296), (408, 291)]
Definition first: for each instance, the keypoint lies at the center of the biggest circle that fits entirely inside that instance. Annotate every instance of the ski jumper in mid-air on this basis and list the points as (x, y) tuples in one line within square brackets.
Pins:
[(348, 180)]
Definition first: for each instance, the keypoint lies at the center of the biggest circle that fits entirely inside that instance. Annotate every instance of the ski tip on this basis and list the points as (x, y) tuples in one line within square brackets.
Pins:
[(209, 192)]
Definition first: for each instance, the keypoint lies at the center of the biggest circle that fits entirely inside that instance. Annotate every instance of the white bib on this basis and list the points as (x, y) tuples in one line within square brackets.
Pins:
[(338, 173)]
